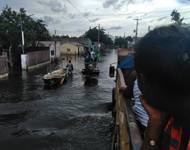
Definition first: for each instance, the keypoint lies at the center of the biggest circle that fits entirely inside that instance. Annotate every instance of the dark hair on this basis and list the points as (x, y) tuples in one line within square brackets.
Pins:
[(69, 61), (163, 58)]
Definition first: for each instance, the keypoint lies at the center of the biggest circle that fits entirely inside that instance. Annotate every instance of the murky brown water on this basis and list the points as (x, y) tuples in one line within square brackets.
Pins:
[(70, 117)]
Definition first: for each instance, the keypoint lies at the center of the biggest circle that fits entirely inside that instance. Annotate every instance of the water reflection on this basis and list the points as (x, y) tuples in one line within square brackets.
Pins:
[(10, 119)]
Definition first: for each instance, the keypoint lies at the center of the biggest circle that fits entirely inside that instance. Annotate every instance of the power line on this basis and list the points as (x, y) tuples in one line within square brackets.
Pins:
[(77, 10), (73, 5), (143, 13)]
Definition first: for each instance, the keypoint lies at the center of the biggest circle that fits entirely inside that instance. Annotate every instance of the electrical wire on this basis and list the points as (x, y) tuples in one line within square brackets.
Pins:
[(78, 10)]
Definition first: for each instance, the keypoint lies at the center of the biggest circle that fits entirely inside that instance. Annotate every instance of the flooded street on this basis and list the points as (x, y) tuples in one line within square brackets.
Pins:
[(70, 117)]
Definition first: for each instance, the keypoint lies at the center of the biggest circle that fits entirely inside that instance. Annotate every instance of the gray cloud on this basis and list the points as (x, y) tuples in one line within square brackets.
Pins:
[(72, 16), (162, 18), (94, 20), (120, 4), (109, 3), (54, 5), (86, 14), (115, 28), (145, 15), (183, 1), (50, 20), (117, 4), (129, 17)]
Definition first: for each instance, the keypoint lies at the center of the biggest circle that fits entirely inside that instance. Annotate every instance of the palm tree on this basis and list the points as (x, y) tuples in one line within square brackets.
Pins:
[(176, 17)]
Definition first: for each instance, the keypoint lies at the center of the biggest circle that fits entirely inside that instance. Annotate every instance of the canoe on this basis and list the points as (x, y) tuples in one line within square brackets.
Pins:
[(55, 78)]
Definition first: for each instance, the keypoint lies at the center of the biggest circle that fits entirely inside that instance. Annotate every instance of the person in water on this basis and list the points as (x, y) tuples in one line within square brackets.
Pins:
[(162, 63), (70, 67)]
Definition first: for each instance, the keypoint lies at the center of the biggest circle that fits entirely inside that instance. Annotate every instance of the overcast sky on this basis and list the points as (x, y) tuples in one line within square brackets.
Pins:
[(74, 17)]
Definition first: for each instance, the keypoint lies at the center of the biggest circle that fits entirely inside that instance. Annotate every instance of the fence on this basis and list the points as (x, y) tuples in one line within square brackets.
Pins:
[(34, 59), (3, 65)]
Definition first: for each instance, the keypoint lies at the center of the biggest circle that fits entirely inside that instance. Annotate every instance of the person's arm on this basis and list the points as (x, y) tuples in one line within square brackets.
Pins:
[(157, 121)]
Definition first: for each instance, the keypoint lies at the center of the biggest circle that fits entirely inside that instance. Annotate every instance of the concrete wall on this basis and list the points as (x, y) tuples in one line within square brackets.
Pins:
[(3, 66), (51, 45), (35, 59)]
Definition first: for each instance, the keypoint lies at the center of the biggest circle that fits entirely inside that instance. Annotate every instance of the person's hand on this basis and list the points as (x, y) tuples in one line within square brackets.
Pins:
[(154, 114)]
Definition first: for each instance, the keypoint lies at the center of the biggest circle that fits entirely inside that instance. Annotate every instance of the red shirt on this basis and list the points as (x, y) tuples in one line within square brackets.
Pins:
[(175, 137)]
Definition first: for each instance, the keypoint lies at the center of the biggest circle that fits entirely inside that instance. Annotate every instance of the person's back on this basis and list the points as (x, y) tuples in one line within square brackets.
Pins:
[(162, 62), (70, 67)]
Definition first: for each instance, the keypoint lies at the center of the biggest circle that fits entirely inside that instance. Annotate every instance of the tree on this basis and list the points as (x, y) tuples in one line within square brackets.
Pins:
[(10, 28), (176, 17), (10, 32), (92, 34), (122, 42)]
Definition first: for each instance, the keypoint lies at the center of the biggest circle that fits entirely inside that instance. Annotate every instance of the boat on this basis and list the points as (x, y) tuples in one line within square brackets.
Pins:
[(94, 72), (55, 78), (91, 80), (90, 74), (90, 71)]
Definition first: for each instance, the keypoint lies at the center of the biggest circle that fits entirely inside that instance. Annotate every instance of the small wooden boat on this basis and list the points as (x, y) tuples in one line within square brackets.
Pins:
[(55, 78)]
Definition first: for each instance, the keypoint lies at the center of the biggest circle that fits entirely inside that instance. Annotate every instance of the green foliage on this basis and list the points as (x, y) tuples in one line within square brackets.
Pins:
[(176, 17), (10, 28), (103, 37), (122, 42)]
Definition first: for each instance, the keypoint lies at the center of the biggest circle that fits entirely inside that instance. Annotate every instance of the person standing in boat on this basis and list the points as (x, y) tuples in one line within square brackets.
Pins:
[(87, 57), (70, 68)]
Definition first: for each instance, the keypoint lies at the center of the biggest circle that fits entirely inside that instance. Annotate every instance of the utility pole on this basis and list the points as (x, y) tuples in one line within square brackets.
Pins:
[(22, 33), (55, 42), (124, 45), (99, 37), (136, 31)]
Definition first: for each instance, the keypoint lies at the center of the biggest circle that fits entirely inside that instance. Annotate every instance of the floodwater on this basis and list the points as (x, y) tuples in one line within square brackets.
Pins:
[(71, 117)]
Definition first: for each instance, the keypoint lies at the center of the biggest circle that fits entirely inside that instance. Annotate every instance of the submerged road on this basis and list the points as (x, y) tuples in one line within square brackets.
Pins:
[(70, 117)]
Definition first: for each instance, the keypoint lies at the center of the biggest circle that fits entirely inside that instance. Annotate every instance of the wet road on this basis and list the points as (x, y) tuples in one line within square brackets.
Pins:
[(71, 117)]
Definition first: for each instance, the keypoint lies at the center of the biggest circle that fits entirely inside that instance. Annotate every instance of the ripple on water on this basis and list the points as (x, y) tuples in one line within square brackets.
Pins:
[(70, 117)]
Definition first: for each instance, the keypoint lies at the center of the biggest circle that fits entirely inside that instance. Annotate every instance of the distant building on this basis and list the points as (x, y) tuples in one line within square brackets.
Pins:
[(71, 48), (53, 48)]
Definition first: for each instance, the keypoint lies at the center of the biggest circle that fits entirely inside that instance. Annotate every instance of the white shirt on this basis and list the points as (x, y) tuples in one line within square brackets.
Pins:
[(141, 114)]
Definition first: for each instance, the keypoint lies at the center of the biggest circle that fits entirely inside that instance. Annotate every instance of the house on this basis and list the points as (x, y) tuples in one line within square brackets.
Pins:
[(66, 46), (71, 48), (53, 48)]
